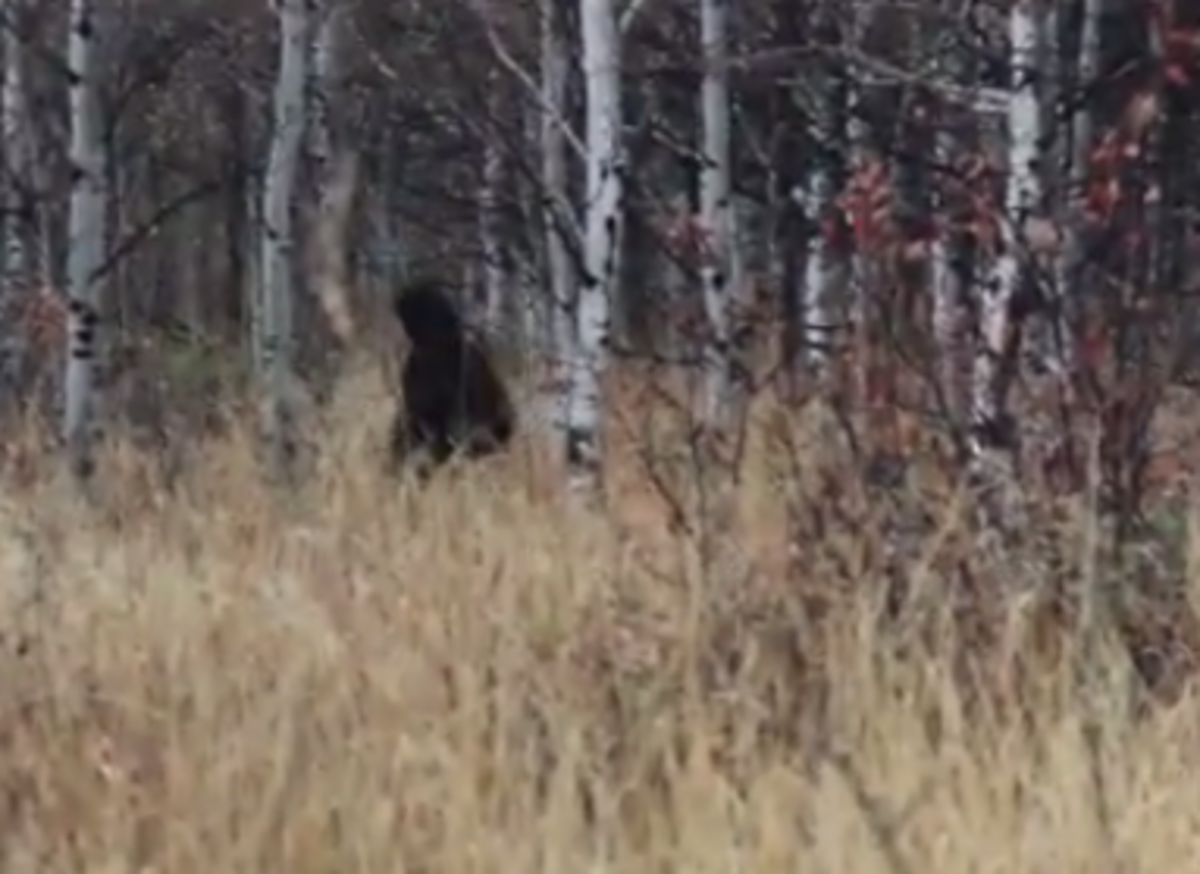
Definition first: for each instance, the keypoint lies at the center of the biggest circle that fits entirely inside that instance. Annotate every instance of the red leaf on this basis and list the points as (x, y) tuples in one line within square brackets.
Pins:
[(1183, 39)]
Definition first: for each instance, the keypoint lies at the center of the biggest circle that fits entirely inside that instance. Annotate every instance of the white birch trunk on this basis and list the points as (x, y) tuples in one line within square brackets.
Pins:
[(1045, 347), (289, 116), (602, 237), (854, 284), (834, 286), (716, 206), (325, 76), (816, 291), (86, 231), (993, 442), (816, 304)]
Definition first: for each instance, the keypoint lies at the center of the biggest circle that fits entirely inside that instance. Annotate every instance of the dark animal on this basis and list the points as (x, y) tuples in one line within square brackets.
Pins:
[(454, 401)]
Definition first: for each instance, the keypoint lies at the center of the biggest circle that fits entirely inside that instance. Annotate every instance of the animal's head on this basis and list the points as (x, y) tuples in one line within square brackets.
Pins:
[(428, 315)]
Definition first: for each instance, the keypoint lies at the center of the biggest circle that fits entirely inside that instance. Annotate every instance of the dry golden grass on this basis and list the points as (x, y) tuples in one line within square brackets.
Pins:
[(486, 678)]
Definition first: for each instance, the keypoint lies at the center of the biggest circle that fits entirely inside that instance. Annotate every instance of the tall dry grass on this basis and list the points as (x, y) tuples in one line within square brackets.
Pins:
[(486, 677)]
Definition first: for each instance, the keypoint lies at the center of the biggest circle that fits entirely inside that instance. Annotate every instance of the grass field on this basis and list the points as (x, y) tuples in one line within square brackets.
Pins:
[(487, 677)]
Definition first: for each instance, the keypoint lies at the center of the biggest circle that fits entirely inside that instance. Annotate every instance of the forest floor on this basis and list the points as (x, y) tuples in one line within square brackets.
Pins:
[(487, 676)]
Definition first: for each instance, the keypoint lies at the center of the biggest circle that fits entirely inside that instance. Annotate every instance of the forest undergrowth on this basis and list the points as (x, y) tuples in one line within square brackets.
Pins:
[(487, 676)]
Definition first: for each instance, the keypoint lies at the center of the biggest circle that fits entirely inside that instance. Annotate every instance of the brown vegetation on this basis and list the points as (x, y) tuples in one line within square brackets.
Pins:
[(483, 676)]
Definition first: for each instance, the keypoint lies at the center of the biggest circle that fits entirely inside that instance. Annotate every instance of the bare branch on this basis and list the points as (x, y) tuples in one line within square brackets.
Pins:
[(629, 16), (151, 226), (510, 63)]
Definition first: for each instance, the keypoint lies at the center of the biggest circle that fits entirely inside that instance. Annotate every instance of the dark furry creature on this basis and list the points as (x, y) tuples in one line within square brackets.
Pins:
[(454, 401)]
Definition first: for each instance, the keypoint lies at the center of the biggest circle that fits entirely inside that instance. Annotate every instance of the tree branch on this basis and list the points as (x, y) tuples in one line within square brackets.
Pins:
[(144, 231)]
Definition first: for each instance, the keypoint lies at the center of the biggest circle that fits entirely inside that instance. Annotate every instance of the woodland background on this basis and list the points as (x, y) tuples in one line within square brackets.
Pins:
[(910, 190), (865, 329)]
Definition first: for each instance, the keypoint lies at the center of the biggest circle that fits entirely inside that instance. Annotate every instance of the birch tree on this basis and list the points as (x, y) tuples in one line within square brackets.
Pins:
[(86, 231), (603, 222), (994, 438), (277, 294), (819, 195), (716, 184), (835, 287)]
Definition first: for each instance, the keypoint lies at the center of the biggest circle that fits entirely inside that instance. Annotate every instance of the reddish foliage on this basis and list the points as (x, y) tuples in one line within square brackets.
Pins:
[(43, 317), (1177, 74), (686, 237), (866, 203), (1180, 46)]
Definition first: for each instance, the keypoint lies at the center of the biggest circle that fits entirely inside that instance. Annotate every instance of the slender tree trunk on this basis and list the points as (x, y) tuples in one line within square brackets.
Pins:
[(555, 67), (995, 440), (852, 299), (832, 289), (716, 183), (820, 192), (277, 349), (602, 237), (87, 234)]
